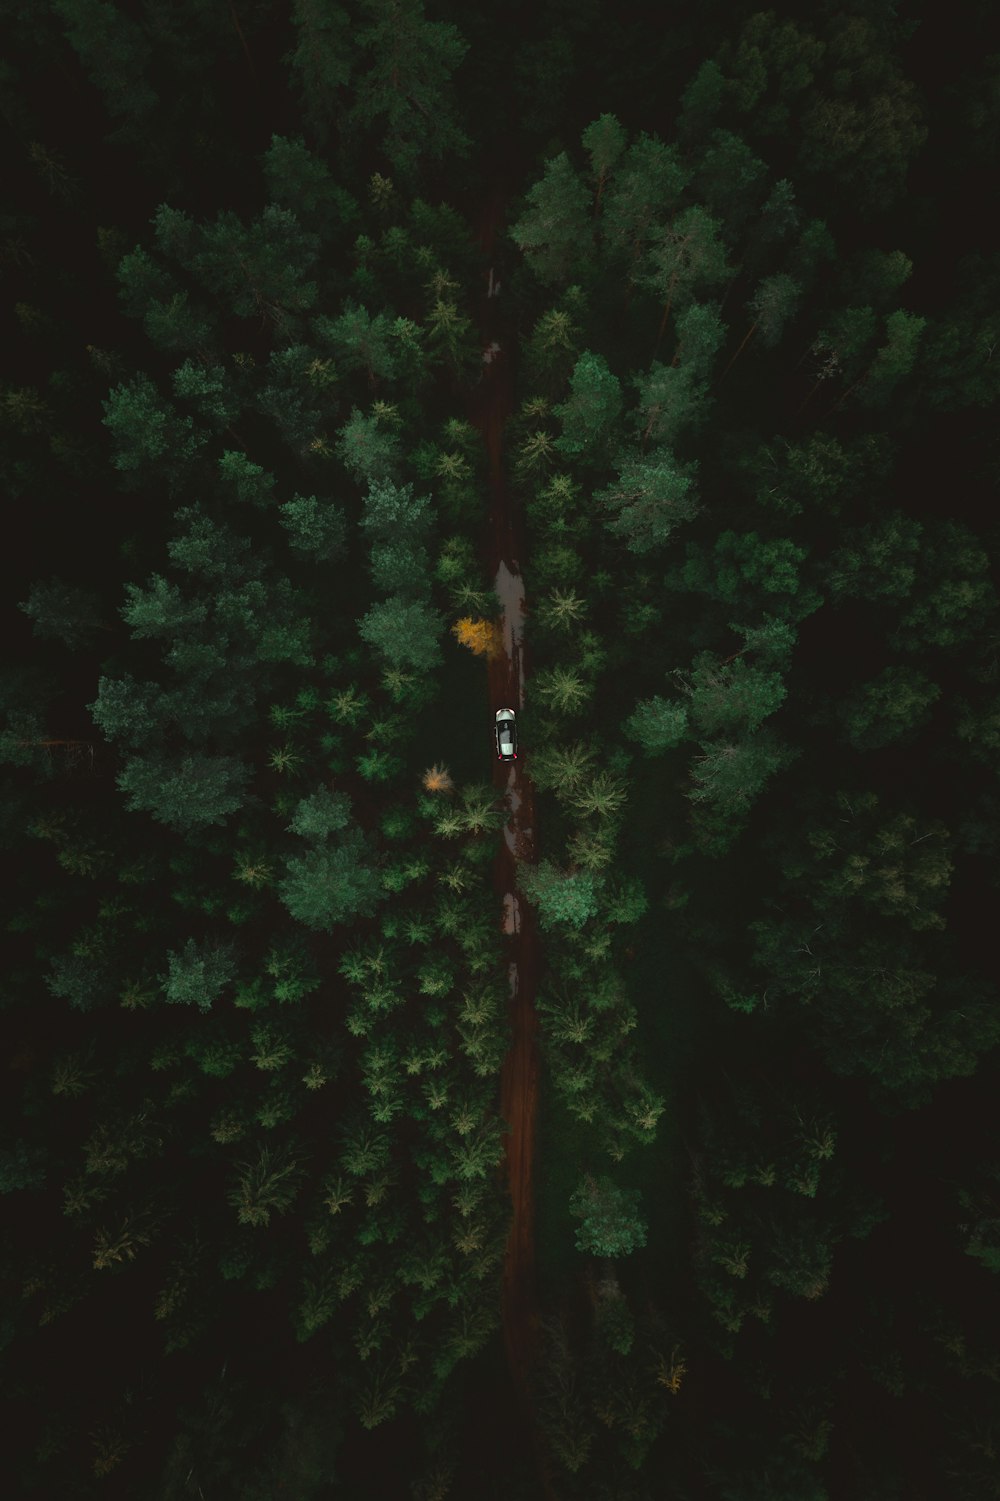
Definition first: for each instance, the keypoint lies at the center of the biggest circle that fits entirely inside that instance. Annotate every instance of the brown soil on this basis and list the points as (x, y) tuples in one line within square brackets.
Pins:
[(491, 404)]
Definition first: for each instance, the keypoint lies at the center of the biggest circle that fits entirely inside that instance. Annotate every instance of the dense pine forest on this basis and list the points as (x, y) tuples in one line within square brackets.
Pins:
[(381, 1120)]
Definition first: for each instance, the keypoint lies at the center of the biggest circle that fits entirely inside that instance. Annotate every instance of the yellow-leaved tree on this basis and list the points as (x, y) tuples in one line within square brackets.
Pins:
[(484, 637)]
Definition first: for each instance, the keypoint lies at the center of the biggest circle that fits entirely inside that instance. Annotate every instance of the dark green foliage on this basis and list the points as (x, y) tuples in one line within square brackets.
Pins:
[(701, 102), (651, 497), (150, 438), (320, 61), (772, 305), (752, 573), (686, 257), (562, 899), (589, 414), (731, 696), (405, 64), (209, 391), (368, 448), (317, 528), (954, 597), (645, 187), (184, 792), (612, 1224), (392, 513), (321, 814), (878, 560), (604, 140), (115, 53), (730, 180), (257, 270), (864, 127), (244, 480), (331, 884), (207, 550), (888, 708), (981, 1205), (819, 473), (657, 725), (197, 974), (298, 180), (21, 1167), (957, 350), (62, 612), (404, 633), (732, 772), (553, 230), (869, 884), (82, 979), (258, 983)]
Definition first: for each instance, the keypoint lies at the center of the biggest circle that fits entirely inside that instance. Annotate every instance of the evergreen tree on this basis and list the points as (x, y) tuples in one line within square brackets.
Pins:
[(889, 708), (331, 883), (114, 52), (63, 612), (657, 725), (405, 633), (612, 1224), (652, 495), (150, 438), (301, 182), (184, 792), (589, 414), (553, 231), (643, 191), (403, 72), (321, 61), (316, 527), (198, 973), (561, 898)]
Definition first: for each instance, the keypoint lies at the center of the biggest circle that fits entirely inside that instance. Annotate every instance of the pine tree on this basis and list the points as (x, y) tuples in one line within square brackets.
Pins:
[(150, 439), (652, 495), (316, 527), (405, 633), (554, 231), (562, 899), (184, 791), (612, 1224), (657, 725), (331, 884), (403, 73), (63, 612), (591, 411), (321, 61), (643, 191), (268, 1183)]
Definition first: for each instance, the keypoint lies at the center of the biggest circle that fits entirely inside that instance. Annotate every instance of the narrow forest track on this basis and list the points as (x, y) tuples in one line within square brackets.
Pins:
[(490, 406)]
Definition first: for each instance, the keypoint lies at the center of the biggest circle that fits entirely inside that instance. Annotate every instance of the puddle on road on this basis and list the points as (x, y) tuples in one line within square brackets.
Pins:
[(509, 587), (512, 978), (511, 913), (510, 591)]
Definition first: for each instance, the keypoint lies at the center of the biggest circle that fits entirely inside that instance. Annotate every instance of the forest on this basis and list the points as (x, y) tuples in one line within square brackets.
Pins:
[(381, 1120)]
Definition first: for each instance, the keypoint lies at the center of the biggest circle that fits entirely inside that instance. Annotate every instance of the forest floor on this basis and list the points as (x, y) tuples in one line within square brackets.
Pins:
[(507, 674)]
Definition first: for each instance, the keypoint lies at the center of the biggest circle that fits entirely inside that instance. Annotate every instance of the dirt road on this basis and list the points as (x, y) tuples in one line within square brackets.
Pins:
[(508, 675)]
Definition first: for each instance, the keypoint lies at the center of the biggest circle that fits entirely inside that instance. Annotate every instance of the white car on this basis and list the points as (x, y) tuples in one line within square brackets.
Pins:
[(506, 734)]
